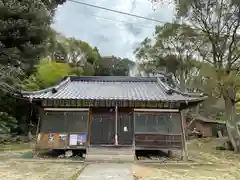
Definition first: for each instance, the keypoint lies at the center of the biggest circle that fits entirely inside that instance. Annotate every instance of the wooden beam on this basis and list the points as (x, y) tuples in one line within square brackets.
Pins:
[(108, 103), (184, 145), (66, 109), (156, 110)]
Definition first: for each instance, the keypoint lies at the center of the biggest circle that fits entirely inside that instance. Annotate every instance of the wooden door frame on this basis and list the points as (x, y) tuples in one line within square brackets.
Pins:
[(90, 130)]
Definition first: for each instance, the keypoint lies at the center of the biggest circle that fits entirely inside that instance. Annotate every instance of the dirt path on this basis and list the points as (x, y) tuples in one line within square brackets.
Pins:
[(105, 171)]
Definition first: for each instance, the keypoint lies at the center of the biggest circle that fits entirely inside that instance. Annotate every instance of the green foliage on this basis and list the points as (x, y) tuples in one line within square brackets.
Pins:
[(25, 26), (24, 34), (79, 54), (113, 66), (88, 69), (48, 74), (173, 47), (71, 50), (7, 122), (183, 7), (78, 71), (51, 5)]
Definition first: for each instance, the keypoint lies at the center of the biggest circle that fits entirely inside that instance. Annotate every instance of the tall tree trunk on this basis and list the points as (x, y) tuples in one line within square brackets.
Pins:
[(231, 123)]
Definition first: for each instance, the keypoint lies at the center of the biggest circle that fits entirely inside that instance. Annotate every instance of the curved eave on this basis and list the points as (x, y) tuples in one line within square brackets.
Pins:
[(184, 98), (29, 94)]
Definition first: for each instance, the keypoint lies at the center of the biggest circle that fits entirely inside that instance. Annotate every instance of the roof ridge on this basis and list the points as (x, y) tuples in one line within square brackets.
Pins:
[(113, 78), (188, 93)]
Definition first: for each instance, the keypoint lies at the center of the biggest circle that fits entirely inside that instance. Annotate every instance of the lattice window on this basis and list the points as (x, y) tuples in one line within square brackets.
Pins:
[(67, 122), (156, 122), (77, 121), (53, 121), (175, 123)]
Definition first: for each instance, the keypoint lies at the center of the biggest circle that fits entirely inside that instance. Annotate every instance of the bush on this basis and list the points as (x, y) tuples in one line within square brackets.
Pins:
[(7, 122)]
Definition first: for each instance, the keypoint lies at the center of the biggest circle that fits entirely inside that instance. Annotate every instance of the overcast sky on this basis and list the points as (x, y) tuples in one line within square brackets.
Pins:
[(111, 37)]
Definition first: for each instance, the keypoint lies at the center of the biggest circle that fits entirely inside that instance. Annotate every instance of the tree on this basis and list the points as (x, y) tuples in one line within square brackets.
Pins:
[(56, 48), (7, 122), (146, 57), (74, 51), (113, 66), (79, 54), (219, 24), (173, 47), (24, 28), (51, 5)]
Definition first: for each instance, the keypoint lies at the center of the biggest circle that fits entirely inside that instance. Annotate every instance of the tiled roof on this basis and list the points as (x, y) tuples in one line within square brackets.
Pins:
[(204, 119), (113, 88)]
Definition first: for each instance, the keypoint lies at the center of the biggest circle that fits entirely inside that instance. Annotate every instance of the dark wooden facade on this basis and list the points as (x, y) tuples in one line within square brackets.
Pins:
[(140, 112), (139, 128)]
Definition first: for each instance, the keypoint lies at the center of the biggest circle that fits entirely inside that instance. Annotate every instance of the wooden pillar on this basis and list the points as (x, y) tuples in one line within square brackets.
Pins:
[(89, 126), (134, 124), (184, 145), (40, 114), (170, 153), (116, 125)]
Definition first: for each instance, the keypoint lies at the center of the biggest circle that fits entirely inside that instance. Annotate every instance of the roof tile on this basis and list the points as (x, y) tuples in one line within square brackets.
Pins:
[(117, 88)]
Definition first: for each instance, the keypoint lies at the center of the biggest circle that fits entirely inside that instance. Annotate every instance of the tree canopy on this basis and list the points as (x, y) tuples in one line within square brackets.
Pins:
[(217, 23), (172, 50)]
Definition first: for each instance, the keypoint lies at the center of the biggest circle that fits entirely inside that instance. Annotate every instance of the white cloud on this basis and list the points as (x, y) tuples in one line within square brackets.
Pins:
[(111, 37)]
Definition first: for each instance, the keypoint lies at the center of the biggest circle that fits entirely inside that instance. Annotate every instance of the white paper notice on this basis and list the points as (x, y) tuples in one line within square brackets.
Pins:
[(125, 129), (73, 140)]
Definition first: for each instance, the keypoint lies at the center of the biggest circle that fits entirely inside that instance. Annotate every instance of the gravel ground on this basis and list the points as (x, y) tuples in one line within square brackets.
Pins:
[(190, 173), (225, 165), (14, 170)]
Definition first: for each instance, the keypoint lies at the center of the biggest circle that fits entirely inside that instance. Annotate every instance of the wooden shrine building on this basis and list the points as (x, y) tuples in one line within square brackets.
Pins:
[(139, 112)]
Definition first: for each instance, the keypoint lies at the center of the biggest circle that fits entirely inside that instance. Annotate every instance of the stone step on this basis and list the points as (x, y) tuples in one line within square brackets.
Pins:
[(110, 154), (109, 158), (110, 151)]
